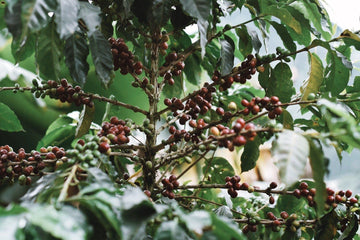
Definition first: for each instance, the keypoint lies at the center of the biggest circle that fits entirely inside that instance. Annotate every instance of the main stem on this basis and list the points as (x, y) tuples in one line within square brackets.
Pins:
[(149, 172)]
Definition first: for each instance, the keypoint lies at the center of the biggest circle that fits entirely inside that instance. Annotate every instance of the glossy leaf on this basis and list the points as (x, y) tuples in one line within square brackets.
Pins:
[(311, 12), (227, 55), (66, 223), (193, 69), (305, 37), (160, 13), (49, 52), (170, 230), (203, 26), (35, 14), (76, 52), (245, 41), (351, 229), (225, 229), (199, 9), (218, 168), (326, 227), (280, 83), (58, 137), (250, 155), (286, 120), (317, 163), (90, 14), (285, 36), (85, 120), (336, 73), (8, 120), (66, 17), (351, 39), (255, 41), (101, 56), (290, 153), (285, 16), (316, 77)]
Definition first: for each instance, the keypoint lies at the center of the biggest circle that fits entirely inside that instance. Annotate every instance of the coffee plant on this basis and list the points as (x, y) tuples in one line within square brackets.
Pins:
[(138, 100)]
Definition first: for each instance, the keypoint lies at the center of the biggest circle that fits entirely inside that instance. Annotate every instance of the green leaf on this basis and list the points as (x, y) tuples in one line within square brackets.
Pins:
[(285, 36), (66, 18), (66, 223), (250, 155), (350, 38), (193, 70), (8, 119), (255, 41), (225, 229), (280, 83), (76, 52), (336, 72), (199, 9), (351, 229), (102, 57), (85, 120), (35, 14), (311, 12), (290, 152), (49, 52), (171, 230), (286, 120), (58, 123), (245, 40), (316, 77), (160, 13), (170, 91), (285, 16), (317, 163), (58, 137), (218, 168), (203, 26), (197, 221), (340, 123), (227, 55), (305, 37), (10, 218), (90, 14), (326, 227), (12, 19)]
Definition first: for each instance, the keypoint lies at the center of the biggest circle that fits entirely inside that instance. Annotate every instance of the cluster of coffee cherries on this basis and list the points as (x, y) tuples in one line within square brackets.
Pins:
[(64, 91), (175, 70), (198, 104), (22, 165), (116, 131), (87, 151), (170, 184), (303, 191), (123, 58), (233, 184), (239, 139), (242, 73), (257, 104), (272, 185), (340, 197)]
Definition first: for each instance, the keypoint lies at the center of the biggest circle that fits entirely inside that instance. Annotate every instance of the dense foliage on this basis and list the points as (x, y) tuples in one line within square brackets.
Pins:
[(144, 101)]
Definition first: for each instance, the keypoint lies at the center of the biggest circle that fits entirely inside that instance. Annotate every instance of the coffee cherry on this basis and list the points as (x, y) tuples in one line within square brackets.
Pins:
[(104, 147), (232, 106), (274, 99), (147, 193), (303, 185), (348, 193), (271, 200), (220, 111), (270, 216), (273, 185), (284, 215)]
